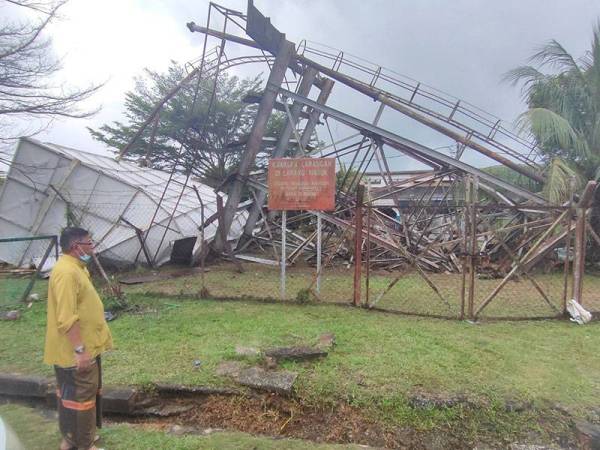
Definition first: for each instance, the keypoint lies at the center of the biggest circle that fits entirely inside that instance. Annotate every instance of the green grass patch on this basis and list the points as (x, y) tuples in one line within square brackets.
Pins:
[(411, 294), (12, 289), (378, 358)]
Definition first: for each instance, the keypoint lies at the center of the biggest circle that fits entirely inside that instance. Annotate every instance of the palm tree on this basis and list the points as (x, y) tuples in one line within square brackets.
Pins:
[(563, 113)]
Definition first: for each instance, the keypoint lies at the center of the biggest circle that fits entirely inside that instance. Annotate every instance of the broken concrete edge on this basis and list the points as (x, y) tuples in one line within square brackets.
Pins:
[(588, 435), (120, 400), (30, 386), (182, 389), (280, 382), (326, 342), (299, 353), (127, 400), (258, 378)]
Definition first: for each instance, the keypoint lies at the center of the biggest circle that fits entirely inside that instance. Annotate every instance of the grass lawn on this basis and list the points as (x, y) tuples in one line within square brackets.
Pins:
[(11, 291), (379, 360), (378, 357), (411, 294), (38, 432)]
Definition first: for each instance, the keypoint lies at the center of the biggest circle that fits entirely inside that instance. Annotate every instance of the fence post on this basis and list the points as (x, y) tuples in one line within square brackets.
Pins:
[(579, 255), (368, 261), (38, 269), (360, 193), (283, 257), (319, 231), (473, 188), (580, 240), (567, 261), (464, 247)]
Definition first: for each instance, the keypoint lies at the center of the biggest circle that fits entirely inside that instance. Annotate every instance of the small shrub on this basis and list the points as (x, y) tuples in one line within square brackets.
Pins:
[(303, 296)]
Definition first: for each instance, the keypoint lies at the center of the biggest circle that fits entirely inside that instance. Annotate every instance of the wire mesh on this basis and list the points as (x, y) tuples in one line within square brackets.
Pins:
[(478, 261), (20, 259), (408, 270), (469, 261)]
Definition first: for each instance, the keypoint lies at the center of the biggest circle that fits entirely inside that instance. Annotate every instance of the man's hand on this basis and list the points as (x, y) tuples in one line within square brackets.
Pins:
[(83, 361)]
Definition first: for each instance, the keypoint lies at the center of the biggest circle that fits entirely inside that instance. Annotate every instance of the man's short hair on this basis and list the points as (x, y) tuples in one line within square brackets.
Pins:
[(70, 235)]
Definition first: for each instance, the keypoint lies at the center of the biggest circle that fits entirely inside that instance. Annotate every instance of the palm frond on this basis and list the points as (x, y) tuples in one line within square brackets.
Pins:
[(586, 62), (591, 62), (525, 74), (554, 54), (561, 181), (550, 127), (594, 139)]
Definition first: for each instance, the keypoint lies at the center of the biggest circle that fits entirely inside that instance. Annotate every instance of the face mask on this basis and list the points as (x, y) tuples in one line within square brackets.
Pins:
[(85, 258)]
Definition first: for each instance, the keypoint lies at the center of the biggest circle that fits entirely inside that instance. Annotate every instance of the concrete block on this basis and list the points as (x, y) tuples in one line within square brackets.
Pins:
[(23, 385)]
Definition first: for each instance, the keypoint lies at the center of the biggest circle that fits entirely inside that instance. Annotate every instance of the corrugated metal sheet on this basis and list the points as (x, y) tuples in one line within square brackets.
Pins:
[(46, 182)]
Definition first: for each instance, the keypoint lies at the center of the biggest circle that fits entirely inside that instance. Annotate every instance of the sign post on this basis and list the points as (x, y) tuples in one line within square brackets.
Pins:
[(301, 184), (283, 252), (318, 252)]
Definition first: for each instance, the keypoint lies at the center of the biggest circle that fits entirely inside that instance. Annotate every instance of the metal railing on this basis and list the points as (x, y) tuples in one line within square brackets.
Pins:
[(473, 121)]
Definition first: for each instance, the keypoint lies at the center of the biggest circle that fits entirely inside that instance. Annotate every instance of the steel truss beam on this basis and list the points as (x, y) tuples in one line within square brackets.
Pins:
[(411, 147)]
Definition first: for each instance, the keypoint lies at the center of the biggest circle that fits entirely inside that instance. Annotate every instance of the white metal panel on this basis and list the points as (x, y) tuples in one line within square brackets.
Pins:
[(79, 186), (118, 233), (36, 166), (20, 203), (55, 219), (100, 190), (12, 252), (141, 211)]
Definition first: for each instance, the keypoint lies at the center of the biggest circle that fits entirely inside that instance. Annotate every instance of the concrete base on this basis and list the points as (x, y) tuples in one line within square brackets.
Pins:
[(23, 385)]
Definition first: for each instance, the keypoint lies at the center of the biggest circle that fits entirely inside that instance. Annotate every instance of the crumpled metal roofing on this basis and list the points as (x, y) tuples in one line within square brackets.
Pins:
[(44, 177)]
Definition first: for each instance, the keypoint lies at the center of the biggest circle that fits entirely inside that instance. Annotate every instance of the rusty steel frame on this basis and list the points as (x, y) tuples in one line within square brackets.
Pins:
[(412, 241)]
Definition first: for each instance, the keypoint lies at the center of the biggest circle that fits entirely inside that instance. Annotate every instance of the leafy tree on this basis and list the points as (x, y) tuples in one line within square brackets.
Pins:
[(207, 139), (27, 69), (347, 180), (517, 179), (564, 113)]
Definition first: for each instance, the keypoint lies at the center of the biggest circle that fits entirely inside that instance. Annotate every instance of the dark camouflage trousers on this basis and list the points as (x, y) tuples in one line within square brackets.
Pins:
[(77, 395)]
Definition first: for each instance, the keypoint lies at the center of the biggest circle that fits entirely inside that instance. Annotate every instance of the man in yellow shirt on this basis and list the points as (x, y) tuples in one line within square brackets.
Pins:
[(76, 336)]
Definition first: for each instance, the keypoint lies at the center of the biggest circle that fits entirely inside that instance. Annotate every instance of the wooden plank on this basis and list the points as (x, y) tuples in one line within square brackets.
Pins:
[(269, 262)]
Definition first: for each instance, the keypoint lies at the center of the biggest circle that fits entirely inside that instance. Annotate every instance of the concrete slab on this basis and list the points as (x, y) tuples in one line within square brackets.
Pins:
[(181, 389), (295, 353), (240, 350), (119, 400), (23, 385), (588, 435), (326, 341), (114, 400), (281, 382), (229, 369)]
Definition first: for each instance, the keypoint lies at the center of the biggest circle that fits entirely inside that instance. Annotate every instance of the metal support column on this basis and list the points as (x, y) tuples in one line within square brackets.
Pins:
[(282, 144), (360, 194), (285, 54)]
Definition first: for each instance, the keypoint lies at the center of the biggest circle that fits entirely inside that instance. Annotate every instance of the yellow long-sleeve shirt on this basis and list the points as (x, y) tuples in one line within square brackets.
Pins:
[(73, 298)]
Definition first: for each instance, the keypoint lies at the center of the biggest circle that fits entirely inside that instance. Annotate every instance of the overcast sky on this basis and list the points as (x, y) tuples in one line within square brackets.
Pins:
[(462, 47)]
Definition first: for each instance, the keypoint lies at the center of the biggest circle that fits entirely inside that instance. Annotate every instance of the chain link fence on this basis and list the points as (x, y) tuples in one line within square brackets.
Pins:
[(471, 262), (483, 261), (466, 261), (25, 260)]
